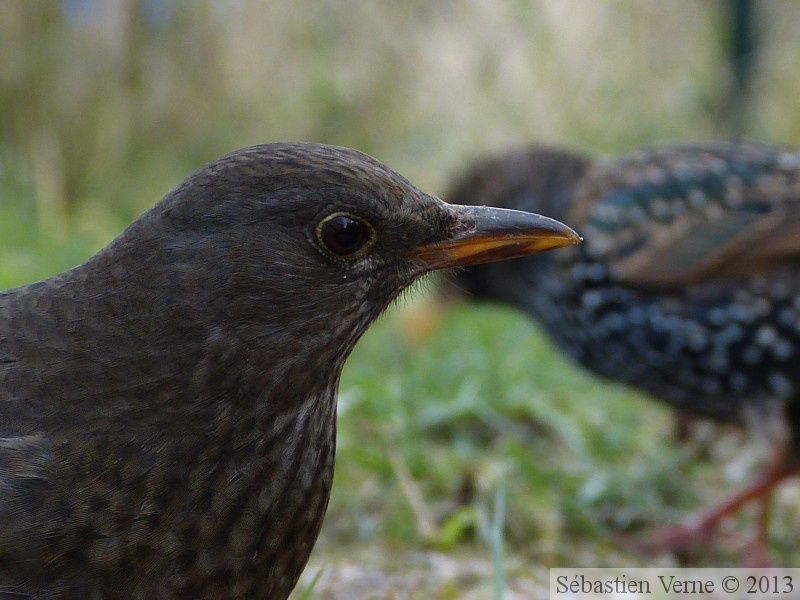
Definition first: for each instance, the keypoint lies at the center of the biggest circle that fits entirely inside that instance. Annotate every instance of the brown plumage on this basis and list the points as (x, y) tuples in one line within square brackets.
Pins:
[(687, 286), (167, 409)]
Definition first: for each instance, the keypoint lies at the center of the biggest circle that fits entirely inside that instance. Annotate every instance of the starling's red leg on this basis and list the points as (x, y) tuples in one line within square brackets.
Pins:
[(757, 553), (701, 527)]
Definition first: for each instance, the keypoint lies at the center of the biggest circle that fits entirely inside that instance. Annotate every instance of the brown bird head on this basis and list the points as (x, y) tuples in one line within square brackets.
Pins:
[(308, 243)]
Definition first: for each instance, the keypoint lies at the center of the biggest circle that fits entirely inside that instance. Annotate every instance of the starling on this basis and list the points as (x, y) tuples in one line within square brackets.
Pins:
[(687, 287), (167, 409)]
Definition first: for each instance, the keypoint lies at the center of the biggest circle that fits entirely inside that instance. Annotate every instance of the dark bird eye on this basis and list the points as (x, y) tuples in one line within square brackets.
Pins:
[(345, 235)]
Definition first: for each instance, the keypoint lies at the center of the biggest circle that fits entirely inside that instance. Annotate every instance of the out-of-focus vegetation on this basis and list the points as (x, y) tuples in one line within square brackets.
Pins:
[(106, 104)]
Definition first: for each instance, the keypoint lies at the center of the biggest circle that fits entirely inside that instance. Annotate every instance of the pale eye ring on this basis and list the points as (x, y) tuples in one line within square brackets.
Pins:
[(345, 235)]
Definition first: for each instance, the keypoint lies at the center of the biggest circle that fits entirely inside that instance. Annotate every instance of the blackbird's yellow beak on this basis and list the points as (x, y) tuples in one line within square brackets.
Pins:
[(488, 234)]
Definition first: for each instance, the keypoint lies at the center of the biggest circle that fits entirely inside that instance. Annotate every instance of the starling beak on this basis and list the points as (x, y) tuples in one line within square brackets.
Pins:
[(686, 287), (168, 408)]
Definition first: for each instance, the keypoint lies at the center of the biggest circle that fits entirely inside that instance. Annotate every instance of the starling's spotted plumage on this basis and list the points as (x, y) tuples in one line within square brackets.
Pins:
[(688, 283), (167, 409)]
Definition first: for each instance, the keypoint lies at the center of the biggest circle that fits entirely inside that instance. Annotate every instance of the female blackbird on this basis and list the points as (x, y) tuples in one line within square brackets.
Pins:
[(167, 409)]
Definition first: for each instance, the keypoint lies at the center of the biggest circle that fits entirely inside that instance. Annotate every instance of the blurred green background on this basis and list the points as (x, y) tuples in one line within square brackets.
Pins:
[(471, 456)]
